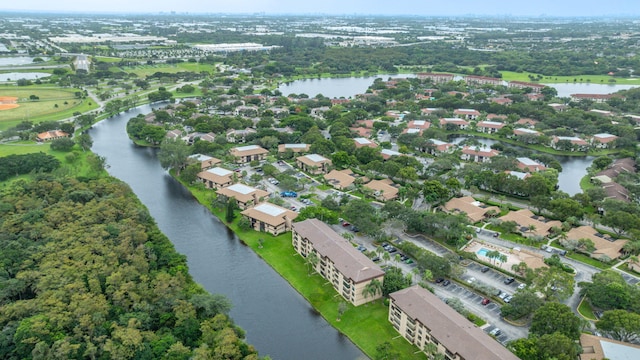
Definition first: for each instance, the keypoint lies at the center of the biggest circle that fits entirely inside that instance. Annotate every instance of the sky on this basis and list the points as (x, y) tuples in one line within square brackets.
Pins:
[(562, 8)]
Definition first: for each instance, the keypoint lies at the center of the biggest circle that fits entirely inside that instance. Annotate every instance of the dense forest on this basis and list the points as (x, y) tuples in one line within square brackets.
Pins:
[(85, 273)]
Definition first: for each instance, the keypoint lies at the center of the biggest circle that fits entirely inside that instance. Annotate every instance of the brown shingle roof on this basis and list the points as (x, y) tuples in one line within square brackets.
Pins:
[(603, 246), (271, 214), (451, 329), (348, 260), (474, 210)]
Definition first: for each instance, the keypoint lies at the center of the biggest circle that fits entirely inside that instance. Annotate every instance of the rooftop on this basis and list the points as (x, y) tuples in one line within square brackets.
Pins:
[(270, 210), (242, 189), (220, 171)]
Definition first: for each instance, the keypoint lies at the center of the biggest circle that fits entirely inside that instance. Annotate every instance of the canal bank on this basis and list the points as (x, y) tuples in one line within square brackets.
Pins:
[(278, 321)]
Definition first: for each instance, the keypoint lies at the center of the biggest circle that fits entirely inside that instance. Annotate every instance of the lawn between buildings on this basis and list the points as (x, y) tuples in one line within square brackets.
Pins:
[(367, 325)]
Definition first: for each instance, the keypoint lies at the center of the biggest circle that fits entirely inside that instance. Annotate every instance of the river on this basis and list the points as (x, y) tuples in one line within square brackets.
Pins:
[(574, 168), (278, 321)]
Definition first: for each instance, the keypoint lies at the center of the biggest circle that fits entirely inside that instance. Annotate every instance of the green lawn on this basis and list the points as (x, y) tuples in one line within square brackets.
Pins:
[(79, 167), (594, 79), (146, 70), (43, 109), (366, 325), (586, 311)]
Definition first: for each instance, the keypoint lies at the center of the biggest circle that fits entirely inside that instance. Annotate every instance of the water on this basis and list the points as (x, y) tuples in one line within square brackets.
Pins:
[(13, 76), (574, 168), (18, 60), (278, 321), (565, 90), (335, 87)]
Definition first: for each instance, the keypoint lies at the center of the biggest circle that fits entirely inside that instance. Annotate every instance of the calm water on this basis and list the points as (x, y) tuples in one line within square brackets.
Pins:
[(18, 60), (13, 76), (565, 90), (573, 167), (278, 321), (334, 87)]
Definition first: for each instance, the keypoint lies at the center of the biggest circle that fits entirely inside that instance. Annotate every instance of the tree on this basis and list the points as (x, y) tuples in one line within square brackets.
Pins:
[(523, 303), (394, 280), (384, 351), (84, 141), (608, 290), (230, 210), (555, 317), (372, 289), (553, 283), (62, 144), (312, 261), (342, 308), (621, 325), (173, 154)]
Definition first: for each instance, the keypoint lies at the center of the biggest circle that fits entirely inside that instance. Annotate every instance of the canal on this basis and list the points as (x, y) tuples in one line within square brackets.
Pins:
[(278, 321)]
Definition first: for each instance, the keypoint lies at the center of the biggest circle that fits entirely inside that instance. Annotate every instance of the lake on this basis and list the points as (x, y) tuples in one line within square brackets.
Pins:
[(13, 76), (335, 87), (18, 60)]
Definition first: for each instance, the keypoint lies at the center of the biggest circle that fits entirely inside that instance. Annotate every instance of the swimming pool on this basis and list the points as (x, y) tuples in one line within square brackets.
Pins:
[(483, 251)]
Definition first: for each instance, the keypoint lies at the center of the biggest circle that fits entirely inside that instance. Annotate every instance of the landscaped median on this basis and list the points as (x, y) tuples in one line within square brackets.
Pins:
[(366, 325)]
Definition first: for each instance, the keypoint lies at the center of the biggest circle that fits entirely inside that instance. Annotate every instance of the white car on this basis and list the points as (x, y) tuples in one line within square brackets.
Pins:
[(471, 280), (522, 286), (495, 332)]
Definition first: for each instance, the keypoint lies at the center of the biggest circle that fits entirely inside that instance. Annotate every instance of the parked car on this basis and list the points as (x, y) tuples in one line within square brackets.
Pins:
[(484, 269), (408, 261), (503, 295), (355, 229), (345, 224), (485, 301), (508, 281), (522, 286), (439, 280), (495, 332), (391, 250), (471, 280), (375, 259), (289, 194), (508, 299), (446, 282), (293, 208), (361, 248), (496, 234)]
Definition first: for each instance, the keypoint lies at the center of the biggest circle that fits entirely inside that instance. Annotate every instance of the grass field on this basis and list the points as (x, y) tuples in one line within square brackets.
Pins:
[(594, 79), (79, 167), (45, 108), (366, 325), (146, 70)]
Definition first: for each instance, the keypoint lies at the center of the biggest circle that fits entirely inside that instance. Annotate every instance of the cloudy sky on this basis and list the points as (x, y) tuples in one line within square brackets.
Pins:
[(389, 7)]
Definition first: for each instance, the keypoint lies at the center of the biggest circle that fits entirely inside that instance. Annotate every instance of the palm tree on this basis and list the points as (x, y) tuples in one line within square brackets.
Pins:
[(372, 288), (531, 228), (396, 259), (347, 235), (312, 261), (502, 258), (386, 257)]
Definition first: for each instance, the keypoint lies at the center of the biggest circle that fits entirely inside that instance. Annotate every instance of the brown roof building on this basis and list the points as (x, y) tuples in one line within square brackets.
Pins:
[(525, 218), (479, 155), (346, 268), (341, 179), (605, 245), (270, 218), (245, 196), (216, 178), (383, 190), (246, 154), (423, 319), (524, 163), (51, 135), (473, 209), (462, 124), (482, 80), (313, 164), (296, 148), (489, 127), (596, 347), (469, 114), (206, 161), (364, 142)]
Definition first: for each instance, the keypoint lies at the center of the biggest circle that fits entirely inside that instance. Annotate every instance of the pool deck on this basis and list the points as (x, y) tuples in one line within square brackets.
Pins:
[(514, 255)]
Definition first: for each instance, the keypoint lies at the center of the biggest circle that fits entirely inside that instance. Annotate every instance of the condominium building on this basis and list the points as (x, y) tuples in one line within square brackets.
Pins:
[(346, 268), (430, 324)]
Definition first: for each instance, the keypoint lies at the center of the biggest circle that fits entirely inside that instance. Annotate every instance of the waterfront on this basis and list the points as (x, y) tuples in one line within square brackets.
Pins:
[(278, 321)]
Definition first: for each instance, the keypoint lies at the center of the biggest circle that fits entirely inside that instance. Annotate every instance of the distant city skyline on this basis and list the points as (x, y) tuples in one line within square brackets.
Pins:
[(555, 8)]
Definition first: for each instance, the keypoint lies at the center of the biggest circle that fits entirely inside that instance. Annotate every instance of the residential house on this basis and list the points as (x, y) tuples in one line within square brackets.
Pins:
[(296, 148), (601, 112), (270, 218), (51, 135), (246, 154), (206, 161), (174, 134), (559, 107), (216, 178), (605, 246), (428, 111), (526, 132), (313, 164), (530, 224), (245, 196), (596, 347), (341, 179), (505, 101), (348, 270), (518, 174), (436, 78), (473, 209), (536, 88), (362, 131), (423, 319), (530, 165), (457, 122), (479, 155), (319, 111), (469, 114), (383, 190), (335, 101), (388, 153), (239, 136), (526, 122), (603, 141), (364, 142), (247, 111), (598, 98), (482, 80), (576, 144), (416, 127), (437, 147), (489, 127)]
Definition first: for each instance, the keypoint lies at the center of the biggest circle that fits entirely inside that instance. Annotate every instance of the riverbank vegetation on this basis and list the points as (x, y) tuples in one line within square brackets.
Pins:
[(134, 297)]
